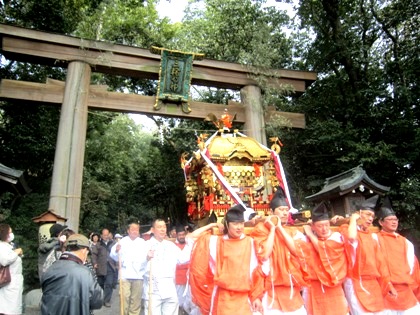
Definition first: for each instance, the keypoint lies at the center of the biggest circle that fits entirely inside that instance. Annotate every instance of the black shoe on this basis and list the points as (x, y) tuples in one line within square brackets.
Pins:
[(106, 304)]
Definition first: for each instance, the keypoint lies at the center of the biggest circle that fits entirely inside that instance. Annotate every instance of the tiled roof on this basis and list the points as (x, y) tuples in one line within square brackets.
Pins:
[(12, 180), (345, 182)]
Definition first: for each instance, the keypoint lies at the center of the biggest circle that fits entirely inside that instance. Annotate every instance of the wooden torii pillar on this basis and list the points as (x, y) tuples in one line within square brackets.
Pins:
[(81, 56), (66, 184)]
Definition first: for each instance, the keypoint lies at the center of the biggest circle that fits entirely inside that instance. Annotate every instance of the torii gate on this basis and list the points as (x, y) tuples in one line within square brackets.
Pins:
[(80, 56)]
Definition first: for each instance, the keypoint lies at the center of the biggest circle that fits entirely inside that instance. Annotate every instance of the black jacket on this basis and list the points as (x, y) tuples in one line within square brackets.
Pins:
[(43, 251), (69, 288)]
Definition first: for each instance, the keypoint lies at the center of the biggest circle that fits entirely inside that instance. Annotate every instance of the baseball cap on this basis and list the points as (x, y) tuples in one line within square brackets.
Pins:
[(77, 240)]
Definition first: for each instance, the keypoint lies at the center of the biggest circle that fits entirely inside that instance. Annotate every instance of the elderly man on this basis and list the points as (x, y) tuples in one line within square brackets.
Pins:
[(131, 252), (159, 293), (368, 279), (400, 260), (68, 286)]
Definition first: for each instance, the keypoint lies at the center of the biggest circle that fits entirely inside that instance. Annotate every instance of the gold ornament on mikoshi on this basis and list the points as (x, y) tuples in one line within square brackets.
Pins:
[(276, 146)]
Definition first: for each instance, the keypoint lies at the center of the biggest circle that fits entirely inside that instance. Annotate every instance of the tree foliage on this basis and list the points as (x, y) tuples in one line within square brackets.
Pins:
[(363, 108), (116, 156), (128, 22), (236, 31)]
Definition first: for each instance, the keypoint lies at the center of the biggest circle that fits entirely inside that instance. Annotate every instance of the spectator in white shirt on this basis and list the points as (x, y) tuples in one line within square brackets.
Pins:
[(159, 293), (131, 251)]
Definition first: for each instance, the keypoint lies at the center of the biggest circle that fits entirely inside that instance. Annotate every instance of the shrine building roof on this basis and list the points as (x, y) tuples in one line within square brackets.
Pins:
[(12, 180), (344, 183)]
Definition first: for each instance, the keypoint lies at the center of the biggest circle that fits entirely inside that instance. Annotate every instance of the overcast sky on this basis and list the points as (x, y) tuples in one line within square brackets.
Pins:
[(174, 9)]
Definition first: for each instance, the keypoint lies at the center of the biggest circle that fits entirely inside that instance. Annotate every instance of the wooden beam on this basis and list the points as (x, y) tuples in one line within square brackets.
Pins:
[(58, 50), (52, 92), (140, 104), (99, 98), (294, 120)]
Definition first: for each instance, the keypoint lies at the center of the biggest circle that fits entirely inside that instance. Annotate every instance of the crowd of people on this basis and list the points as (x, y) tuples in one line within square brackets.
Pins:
[(271, 269), (276, 270), (145, 271)]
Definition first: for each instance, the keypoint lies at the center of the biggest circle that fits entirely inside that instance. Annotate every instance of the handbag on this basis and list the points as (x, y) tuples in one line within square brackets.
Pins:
[(4, 276)]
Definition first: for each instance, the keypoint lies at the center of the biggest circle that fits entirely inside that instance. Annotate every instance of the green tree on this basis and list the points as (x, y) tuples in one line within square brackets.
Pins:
[(116, 156), (48, 15), (236, 31), (363, 108), (128, 22)]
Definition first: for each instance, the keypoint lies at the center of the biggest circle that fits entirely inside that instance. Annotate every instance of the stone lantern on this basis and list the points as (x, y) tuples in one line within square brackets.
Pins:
[(45, 221)]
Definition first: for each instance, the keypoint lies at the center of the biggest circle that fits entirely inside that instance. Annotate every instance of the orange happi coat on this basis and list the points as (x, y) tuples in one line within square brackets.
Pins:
[(232, 276), (226, 283), (326, 269), (368, 272), (285, 280), (394, 248)]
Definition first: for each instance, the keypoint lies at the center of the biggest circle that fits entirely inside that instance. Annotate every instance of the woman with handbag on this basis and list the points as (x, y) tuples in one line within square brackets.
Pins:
[(10, 293)]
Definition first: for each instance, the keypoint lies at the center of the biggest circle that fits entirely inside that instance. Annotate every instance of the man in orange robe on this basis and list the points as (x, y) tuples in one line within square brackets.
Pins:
[(400, 260), (228, 266), (323, 258), (275, 245), (368, 279)]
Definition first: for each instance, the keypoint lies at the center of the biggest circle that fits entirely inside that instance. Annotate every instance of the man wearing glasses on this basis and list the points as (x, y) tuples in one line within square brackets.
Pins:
[(400, 260), (368, 281)]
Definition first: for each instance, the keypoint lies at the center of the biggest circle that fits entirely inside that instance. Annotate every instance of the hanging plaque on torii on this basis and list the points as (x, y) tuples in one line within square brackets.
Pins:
[(174, 77)]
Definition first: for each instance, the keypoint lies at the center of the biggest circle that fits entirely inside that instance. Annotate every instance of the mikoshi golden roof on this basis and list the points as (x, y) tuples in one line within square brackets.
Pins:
[(225, 147)]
